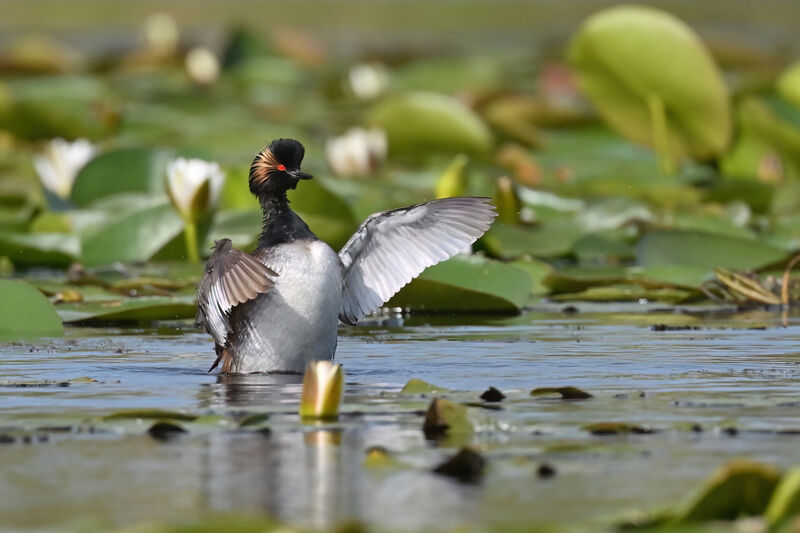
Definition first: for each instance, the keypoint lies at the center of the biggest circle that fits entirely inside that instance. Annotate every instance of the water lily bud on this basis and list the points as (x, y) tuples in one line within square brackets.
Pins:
[(368, 80), (322, 390), (59, 164), (194, 186), (357, 152), (202, 65), (453, 181), (161, 33), (507, 201)]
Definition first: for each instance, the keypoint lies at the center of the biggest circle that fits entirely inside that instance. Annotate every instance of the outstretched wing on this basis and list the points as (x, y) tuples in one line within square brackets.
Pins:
[(232, 277), (393, 247)]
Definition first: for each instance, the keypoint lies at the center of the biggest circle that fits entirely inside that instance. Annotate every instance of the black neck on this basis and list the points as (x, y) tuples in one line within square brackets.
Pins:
[(281, 224)]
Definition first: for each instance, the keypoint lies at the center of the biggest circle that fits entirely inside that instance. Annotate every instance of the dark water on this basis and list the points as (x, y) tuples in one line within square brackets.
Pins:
[(90, 473)]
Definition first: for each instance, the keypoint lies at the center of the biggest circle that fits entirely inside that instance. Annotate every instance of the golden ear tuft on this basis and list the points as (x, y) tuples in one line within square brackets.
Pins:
[(263, 164)]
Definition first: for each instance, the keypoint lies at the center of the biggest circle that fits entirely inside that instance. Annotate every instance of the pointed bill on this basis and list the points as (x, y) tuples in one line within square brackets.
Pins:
[(322, 390)]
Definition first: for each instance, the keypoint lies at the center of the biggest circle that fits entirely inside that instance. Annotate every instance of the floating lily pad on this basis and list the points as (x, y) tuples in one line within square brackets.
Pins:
[(699, 249), (466, 284), (626, 293), (423, 122), (136, 236), (146, 414), (740, 488), (619, 56), (30, 249), (144, 308), (418, 386), (553, 238), (124, 170), (26, 313)]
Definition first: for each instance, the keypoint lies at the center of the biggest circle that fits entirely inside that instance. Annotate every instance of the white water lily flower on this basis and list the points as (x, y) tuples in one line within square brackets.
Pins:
[(322, 390), (59, 164), (368, 80), (202, 65), (357, 152), (194, 186)]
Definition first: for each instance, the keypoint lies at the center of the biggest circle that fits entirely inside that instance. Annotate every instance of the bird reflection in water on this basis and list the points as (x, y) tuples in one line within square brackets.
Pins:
[(310, 475)]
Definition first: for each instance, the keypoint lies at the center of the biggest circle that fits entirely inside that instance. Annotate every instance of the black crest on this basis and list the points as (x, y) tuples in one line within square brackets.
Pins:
[(287, 152)]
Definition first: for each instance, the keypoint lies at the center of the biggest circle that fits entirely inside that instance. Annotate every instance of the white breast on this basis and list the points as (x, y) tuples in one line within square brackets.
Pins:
[(295, 322)]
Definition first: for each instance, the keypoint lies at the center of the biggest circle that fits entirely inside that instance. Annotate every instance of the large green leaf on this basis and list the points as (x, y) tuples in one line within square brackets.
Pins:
[(471, 284), (740, 488), (328, 216), (135, 236), (31, 249), (695, 248), (26, 313), (553, 238), (145, 308), (123, 170), (653, 80), (424, 122)]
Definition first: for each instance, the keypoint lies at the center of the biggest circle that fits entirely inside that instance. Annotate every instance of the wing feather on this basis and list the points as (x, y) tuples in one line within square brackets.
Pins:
[(393, 247), (232, 277)]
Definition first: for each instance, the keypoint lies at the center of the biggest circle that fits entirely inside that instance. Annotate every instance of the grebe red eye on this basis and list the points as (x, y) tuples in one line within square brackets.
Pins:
[(281, 167)]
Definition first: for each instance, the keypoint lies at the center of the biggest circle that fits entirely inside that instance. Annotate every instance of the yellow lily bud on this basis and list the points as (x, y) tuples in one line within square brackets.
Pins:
[(322, 390)]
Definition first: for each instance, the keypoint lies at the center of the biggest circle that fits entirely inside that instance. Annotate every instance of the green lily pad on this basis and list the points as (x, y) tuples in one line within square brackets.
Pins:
[(135, 236), (466, 284), (26, 313), (418, 386), (686, 276), (328, 216), (143, 308), (124, 170), (425, 122), (785, 501), (30, 249), (699, 249), (626, 293), (619, 56), (554, 238), (576, 279), (740, 488), (147, 414)]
